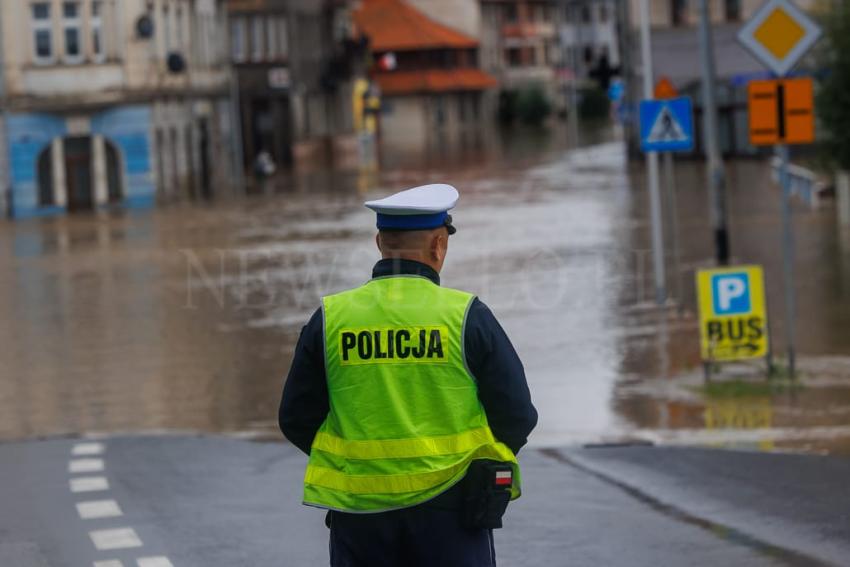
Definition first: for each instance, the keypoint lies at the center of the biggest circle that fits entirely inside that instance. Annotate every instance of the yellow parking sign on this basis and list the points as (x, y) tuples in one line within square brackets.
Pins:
[(732, 313)]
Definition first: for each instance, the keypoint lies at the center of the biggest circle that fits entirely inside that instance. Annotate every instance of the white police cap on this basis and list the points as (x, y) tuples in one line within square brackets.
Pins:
[(421, 208)]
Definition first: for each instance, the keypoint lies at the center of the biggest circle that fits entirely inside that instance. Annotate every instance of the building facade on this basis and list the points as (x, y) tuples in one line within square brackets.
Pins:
[(428, 75), (293, 61), (114, 103), (684, 13), (519, 43), (588, 32)]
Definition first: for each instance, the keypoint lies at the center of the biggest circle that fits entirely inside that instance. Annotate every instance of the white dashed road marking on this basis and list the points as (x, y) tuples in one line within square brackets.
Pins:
[(85, 465), (107, 539), (95, 509), (119, 538), (87, 449), (89, 484), (153, 562)]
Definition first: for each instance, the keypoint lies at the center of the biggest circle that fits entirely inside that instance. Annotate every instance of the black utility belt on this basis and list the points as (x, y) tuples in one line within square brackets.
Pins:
[(486, 493)]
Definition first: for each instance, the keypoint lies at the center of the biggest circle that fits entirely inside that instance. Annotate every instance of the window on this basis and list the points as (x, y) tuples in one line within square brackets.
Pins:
[(237, 39), (537, 14), (514, 56), (96, 23), (179, 28), (72, 27), (585, 14), (603, 13), (257, 32), (510, 13), (42, 30), (282, 37), (732, 10), (271, 38), (679, 12), (166, 28)]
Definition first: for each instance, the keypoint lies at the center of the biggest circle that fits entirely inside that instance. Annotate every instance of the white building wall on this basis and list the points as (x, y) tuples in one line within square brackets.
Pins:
[(462, 15)]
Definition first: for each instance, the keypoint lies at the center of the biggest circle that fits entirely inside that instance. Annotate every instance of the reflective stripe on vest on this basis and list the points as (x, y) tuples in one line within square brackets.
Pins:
[(404, 448), (405, 419)]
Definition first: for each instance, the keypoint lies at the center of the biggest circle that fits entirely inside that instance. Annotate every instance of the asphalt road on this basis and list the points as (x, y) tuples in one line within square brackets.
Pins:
[(210, 501)]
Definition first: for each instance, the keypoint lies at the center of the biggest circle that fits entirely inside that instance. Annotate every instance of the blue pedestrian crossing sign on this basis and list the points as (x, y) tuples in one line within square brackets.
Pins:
[(666, 125)]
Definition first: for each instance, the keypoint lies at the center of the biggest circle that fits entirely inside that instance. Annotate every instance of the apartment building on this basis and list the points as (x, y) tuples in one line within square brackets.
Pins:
[(519, 43), (294, 61), (113, 103), (588, 33)]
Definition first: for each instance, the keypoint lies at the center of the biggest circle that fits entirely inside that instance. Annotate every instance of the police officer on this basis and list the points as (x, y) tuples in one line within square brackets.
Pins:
[(411, 403)]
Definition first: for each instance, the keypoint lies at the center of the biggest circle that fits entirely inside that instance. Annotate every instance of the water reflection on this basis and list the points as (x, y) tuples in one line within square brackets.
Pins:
[(185, 318)]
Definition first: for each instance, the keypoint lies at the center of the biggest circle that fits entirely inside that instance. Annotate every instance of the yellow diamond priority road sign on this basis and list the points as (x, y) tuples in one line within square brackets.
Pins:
[(779, 34)]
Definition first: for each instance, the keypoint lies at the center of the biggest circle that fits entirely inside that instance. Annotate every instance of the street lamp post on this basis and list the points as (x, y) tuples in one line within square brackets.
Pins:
[(716, 175)]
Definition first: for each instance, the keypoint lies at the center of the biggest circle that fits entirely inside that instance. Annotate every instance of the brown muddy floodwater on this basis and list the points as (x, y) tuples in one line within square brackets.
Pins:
[(184, 318)]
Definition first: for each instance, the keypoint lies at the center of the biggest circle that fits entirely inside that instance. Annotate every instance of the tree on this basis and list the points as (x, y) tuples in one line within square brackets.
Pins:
[(532, 106), (833, 100)]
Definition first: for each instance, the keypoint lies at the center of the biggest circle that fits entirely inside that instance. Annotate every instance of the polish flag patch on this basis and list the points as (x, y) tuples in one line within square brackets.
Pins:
[(504, 477)]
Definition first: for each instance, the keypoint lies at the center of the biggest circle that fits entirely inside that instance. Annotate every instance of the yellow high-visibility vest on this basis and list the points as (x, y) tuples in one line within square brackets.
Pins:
[(405, 420)]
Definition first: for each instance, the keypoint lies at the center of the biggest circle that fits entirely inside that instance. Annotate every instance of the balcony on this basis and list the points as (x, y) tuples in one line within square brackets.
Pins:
[(528, 29)]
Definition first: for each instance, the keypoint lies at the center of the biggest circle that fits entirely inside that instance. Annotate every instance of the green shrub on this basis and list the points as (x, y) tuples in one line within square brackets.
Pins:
[(532, 106), (594, 104), (833, 99)]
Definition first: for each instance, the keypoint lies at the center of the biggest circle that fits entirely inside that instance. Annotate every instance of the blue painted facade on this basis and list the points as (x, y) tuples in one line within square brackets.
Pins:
[(126, 127)]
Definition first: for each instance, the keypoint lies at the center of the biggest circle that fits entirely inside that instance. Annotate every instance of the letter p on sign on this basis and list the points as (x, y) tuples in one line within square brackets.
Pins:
[(731, 293)]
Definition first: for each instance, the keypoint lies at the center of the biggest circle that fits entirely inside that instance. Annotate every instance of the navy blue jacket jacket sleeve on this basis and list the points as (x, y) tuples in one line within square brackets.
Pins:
[(305, 402), (502, 387), (490, 356)]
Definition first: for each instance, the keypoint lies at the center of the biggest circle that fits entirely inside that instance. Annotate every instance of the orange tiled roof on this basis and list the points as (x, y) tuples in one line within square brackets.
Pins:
[(394, 25), (433, 80)]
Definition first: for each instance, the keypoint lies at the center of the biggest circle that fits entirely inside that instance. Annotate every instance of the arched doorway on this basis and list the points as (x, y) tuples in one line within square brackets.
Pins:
[(114, 181), (46, 196), (78, 173)]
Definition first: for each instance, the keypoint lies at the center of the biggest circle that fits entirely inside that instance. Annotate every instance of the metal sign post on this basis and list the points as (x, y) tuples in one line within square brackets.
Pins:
[(673, 225), (787, 255), (652, 163), (781, 113), (666, 126), (716, 174), (664, 89)]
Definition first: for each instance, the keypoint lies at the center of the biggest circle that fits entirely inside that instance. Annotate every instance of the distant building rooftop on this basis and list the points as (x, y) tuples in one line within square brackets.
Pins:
[(393, 25)]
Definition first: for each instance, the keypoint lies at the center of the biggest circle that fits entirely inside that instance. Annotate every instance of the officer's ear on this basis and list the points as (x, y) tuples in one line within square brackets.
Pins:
[(378, 242), (439, 244)]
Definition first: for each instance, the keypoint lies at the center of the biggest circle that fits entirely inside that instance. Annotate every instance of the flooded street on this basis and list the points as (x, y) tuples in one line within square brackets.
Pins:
[(185, 318)]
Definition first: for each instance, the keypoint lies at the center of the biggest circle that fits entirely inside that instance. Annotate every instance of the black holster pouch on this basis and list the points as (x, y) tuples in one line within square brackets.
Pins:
[(486, 493)]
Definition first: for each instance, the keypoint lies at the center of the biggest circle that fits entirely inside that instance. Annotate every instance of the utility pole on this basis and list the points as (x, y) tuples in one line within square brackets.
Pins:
[(574, 17), (716, 175), (652, 163), (6, 208), (625, 48)]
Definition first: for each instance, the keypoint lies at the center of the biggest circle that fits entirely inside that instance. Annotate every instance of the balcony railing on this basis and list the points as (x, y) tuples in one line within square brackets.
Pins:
[(528, 29)]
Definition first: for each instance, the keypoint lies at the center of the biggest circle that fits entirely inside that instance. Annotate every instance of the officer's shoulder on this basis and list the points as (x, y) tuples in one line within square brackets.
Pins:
[(337, 295), (458, 293)]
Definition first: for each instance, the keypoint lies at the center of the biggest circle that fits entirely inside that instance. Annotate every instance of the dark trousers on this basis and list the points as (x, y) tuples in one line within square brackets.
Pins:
[(421, 536)]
